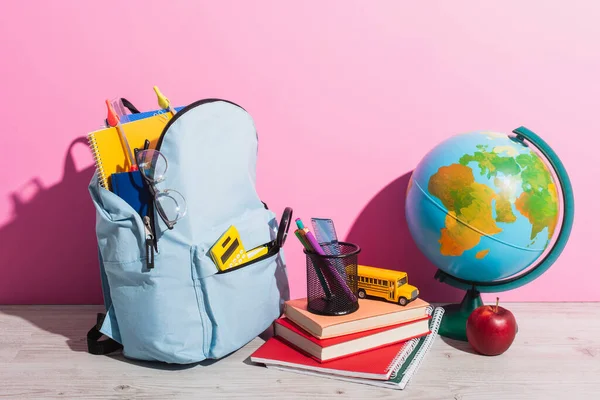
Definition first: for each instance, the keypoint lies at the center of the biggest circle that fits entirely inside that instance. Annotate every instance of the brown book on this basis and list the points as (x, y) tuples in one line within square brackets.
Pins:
[(371, 314)]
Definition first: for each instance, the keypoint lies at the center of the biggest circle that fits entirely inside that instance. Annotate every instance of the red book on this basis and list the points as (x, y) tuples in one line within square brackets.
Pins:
[(376, 364), (326, 350)]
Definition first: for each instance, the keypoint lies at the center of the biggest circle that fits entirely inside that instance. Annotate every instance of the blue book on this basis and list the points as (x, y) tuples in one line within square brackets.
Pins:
[(134, 117), (130, 187)]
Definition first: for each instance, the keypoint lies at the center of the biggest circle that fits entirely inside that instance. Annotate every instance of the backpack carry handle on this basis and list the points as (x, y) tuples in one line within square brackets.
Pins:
[(127, 104)]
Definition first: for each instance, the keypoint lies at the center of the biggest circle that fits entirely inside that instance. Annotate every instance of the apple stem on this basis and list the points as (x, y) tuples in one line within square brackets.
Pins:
[(497, 301)]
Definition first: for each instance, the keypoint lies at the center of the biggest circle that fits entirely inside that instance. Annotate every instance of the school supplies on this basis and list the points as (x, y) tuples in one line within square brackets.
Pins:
[(371, 314), (146, 114), (326, 350), (108, 151), (170, 204), (300, 235), (121, 106), (302, 238), (169, 303), (228, 251), (113, 121), (299, 223), (376, 364), (327, 237), (325, 234), (404, 366), (332, 275), (130, 187), (163, 102)]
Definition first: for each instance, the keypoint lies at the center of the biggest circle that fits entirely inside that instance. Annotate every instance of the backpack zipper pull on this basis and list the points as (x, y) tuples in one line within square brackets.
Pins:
[(149, 243)]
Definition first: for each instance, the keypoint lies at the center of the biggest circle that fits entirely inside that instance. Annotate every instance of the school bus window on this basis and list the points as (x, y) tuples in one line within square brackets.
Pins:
[(401, 281)]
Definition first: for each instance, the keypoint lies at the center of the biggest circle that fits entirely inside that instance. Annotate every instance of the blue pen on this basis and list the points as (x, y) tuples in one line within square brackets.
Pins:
[(299, 224)]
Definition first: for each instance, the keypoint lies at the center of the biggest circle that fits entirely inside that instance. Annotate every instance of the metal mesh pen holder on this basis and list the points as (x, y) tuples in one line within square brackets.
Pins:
[(331, 279)]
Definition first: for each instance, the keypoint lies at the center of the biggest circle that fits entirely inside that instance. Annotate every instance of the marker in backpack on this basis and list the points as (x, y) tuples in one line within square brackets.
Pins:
[(163, 102), (114, 121)]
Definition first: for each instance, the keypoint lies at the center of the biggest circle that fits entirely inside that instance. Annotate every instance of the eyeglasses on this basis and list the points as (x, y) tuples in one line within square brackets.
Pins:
[(170, 204)]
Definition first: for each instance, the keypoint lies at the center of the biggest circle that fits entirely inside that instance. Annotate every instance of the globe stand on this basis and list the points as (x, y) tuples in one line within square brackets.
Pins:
[(454, 321)]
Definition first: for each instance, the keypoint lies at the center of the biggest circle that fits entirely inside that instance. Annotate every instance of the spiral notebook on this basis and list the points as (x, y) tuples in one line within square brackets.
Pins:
[(110, 155), (398, 372)]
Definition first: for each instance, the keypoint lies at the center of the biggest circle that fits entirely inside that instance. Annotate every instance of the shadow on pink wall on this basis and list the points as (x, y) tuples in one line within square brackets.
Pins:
[(382, 233), (49, 248)]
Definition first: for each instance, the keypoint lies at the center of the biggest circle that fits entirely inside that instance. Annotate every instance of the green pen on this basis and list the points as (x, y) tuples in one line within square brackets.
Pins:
[(307, 246), (299, 224)]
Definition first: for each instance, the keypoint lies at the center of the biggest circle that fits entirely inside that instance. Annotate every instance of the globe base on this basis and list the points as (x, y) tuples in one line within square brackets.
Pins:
[(454, 322)]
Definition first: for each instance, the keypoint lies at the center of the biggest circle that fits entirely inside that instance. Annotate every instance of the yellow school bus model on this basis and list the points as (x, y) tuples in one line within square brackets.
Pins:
[(385, 283)]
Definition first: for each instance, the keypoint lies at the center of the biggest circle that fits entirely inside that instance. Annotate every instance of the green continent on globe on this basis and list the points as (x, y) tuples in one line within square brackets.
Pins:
[(492, 163), (470, 203), (539, 200), (466, 201)]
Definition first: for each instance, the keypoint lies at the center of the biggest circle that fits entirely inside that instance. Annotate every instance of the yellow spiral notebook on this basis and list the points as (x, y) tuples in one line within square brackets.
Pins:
[(109, 152)]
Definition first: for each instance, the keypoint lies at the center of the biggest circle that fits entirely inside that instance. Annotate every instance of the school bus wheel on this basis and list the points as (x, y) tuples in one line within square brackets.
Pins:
[(361, 293), (402, 301)]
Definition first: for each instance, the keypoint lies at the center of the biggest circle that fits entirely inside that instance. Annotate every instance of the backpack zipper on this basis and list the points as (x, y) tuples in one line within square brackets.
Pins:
[(149, 243), (272, 251)]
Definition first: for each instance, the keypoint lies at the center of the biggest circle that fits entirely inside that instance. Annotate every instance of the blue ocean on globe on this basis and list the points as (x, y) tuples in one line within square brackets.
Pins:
[(481, 206)]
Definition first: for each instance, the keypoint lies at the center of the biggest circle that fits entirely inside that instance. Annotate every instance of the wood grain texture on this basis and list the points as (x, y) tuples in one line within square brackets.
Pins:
[(556, 354)]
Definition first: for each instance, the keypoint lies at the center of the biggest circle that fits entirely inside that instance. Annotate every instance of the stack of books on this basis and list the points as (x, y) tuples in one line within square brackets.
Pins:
[(380, 344)]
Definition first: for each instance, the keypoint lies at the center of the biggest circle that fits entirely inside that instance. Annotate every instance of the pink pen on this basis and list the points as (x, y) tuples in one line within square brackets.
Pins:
[(329, 270)]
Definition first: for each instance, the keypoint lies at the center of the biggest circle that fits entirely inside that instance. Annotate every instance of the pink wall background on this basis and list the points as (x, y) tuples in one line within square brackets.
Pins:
[(363, 88)]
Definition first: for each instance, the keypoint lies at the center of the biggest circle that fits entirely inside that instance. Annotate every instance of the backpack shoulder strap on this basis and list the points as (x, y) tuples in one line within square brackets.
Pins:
[(97, 346)]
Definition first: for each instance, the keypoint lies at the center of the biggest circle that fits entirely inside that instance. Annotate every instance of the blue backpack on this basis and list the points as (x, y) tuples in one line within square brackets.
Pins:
[(165, 298)]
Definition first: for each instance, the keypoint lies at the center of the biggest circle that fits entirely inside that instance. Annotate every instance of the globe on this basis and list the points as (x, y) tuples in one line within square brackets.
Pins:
[(485, 208)]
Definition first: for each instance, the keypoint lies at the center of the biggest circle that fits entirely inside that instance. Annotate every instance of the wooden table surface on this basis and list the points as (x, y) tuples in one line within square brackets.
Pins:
[(556, 355)]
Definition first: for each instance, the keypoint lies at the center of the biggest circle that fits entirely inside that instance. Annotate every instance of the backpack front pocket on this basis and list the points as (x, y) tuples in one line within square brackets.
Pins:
[(241, 304), (119, 228), (156, 311)]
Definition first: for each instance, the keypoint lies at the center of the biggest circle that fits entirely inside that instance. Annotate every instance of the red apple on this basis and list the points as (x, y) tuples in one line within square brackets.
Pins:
[(491, 330)]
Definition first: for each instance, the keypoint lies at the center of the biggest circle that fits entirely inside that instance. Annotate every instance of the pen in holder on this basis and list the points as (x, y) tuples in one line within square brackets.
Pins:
[(331, 279)]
